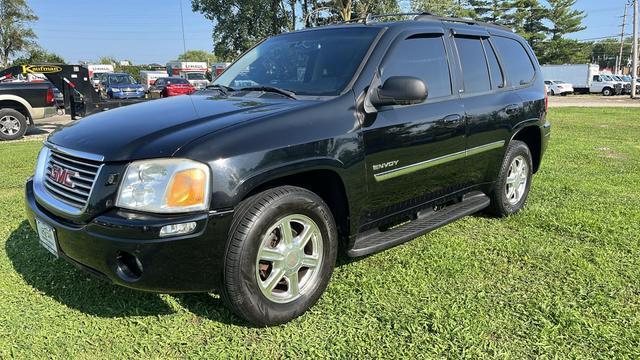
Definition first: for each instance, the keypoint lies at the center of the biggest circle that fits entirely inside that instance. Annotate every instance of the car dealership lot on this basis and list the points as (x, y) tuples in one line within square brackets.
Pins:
[(560, 279)]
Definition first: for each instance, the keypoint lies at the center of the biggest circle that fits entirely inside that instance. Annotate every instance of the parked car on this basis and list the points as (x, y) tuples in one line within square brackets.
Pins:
[(557, 87), (122, 86), (20, 104), (172, 86), (384, 132)]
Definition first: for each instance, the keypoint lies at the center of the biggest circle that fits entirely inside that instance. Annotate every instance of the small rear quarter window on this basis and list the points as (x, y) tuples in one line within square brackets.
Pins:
[(517, 63)]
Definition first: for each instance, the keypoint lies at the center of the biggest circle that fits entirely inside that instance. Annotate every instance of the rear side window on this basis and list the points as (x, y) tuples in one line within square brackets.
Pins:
[(424, 57), (475, 74), (518, 65), (497, 80)]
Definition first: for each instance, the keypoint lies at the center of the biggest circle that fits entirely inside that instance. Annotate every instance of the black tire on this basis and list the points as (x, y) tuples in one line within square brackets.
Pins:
[(252, 219), (21, 124), (607, 92), (553, 93), (500, 204)]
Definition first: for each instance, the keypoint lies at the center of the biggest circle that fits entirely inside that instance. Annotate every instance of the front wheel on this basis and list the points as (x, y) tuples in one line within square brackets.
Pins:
[(511, 189), (607, 92), (280, 257), (13, 124)]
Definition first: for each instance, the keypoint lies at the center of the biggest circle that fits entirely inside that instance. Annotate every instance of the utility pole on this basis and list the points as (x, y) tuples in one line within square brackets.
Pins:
[(184, 43), (624, 22), (634, 65)]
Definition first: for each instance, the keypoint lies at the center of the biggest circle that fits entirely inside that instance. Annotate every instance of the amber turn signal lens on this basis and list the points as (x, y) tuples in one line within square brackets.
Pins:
[(187, 188)]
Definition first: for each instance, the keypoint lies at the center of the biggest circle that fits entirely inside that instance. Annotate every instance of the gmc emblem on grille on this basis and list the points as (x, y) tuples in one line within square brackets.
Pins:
[(63, 176)]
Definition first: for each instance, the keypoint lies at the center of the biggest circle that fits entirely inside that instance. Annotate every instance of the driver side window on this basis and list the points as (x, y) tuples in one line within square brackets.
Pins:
[(422, 56)]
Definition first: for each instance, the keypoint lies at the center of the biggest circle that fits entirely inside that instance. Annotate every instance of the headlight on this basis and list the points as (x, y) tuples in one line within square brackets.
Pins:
[(165, 186), (115, 89)]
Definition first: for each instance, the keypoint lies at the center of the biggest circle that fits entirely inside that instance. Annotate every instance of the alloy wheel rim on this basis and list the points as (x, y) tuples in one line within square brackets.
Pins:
[(516, 182), (9, 125), (289, 258)]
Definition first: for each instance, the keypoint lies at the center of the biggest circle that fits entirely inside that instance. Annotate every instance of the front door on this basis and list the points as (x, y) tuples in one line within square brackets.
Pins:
[(415, 153)]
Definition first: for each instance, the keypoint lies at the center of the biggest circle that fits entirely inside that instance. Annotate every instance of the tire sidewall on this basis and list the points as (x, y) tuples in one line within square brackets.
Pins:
[(258, 308), (515, 149), (21, 119)]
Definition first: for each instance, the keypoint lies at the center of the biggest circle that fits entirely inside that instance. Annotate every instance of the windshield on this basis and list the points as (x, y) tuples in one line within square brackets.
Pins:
[(176, 81), (607, 77), (196, 76), (122, 79), (316, 62), (559, 82)]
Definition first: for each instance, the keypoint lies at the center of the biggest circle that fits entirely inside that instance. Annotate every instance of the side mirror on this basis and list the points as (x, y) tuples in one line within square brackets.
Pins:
[(399, 90)]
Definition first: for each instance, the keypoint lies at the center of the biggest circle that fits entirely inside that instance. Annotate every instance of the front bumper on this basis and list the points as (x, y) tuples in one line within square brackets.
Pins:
[(189, 263)]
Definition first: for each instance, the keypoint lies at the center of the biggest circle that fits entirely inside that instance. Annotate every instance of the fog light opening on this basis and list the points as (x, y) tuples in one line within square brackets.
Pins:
[(129, 266), (178, 229)]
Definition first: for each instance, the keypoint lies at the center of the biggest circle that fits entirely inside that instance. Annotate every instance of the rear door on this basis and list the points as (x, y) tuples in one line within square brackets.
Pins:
[(415, 153), (490, 106)]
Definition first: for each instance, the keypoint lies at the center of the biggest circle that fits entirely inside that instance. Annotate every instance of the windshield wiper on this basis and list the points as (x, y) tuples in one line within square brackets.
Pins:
[(222, 88), (285, 92)]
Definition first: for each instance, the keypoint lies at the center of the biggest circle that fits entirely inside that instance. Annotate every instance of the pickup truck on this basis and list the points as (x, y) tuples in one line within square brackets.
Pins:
[(355, 137), (20, 104)]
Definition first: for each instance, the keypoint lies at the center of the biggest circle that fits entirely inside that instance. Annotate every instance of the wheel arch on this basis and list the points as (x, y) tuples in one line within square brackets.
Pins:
[(16, 103), (531, 136), (324, 182)]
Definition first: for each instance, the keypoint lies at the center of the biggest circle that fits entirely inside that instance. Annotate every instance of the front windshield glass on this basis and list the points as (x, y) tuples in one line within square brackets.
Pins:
[(607, 77), (196, 76), (316, 62), (121, 79)]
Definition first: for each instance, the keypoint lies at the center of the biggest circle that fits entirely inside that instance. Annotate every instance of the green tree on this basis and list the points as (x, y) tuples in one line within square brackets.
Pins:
[(564, 19), (564, 51), (15, 33), (107, 60), (364, 7), (240, 24), (38, 55), (198, 55), (491, 11), (527, 19), (457, 8)]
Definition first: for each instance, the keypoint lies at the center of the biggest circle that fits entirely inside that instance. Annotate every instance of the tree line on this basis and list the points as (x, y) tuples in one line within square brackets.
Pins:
[(240, 24)]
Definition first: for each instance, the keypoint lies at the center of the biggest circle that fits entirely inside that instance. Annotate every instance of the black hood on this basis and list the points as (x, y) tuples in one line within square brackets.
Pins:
[(159, 128)]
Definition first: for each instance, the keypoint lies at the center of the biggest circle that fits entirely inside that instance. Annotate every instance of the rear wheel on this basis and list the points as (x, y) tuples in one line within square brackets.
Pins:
[(280, 257), (13, 124), (511, 189)]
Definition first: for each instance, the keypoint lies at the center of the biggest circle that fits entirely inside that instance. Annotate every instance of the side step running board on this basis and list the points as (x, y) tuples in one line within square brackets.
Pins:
[(375, 240)]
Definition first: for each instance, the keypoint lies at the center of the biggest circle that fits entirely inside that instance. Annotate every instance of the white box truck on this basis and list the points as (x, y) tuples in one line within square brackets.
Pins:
[(96, 69), (194, 72), (149, 77), (585, 78)]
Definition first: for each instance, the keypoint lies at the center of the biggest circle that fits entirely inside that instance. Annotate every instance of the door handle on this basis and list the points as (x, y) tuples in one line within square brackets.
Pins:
[(451, 119), (512, 109)]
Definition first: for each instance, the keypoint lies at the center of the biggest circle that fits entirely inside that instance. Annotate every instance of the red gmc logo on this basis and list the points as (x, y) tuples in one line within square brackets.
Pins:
[(62, 176)]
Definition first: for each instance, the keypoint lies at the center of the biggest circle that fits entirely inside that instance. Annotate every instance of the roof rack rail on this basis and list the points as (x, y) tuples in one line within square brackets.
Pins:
[(430, 16), (424, 15)]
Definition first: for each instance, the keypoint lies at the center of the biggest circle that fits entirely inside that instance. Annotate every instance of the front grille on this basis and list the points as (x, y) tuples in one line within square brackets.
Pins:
[(69, 178)]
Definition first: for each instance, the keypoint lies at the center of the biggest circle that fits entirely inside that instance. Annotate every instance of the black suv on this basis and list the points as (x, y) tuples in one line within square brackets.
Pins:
[(355, 136)]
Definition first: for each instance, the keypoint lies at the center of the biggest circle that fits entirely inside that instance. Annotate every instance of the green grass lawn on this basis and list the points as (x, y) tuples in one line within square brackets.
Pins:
[(560, 279)]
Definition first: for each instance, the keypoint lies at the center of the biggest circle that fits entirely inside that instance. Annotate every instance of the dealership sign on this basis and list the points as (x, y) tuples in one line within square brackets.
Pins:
[(40, 69)]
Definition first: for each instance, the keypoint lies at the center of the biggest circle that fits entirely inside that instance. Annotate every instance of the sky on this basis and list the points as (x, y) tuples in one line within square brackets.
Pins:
[(149, 31)]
